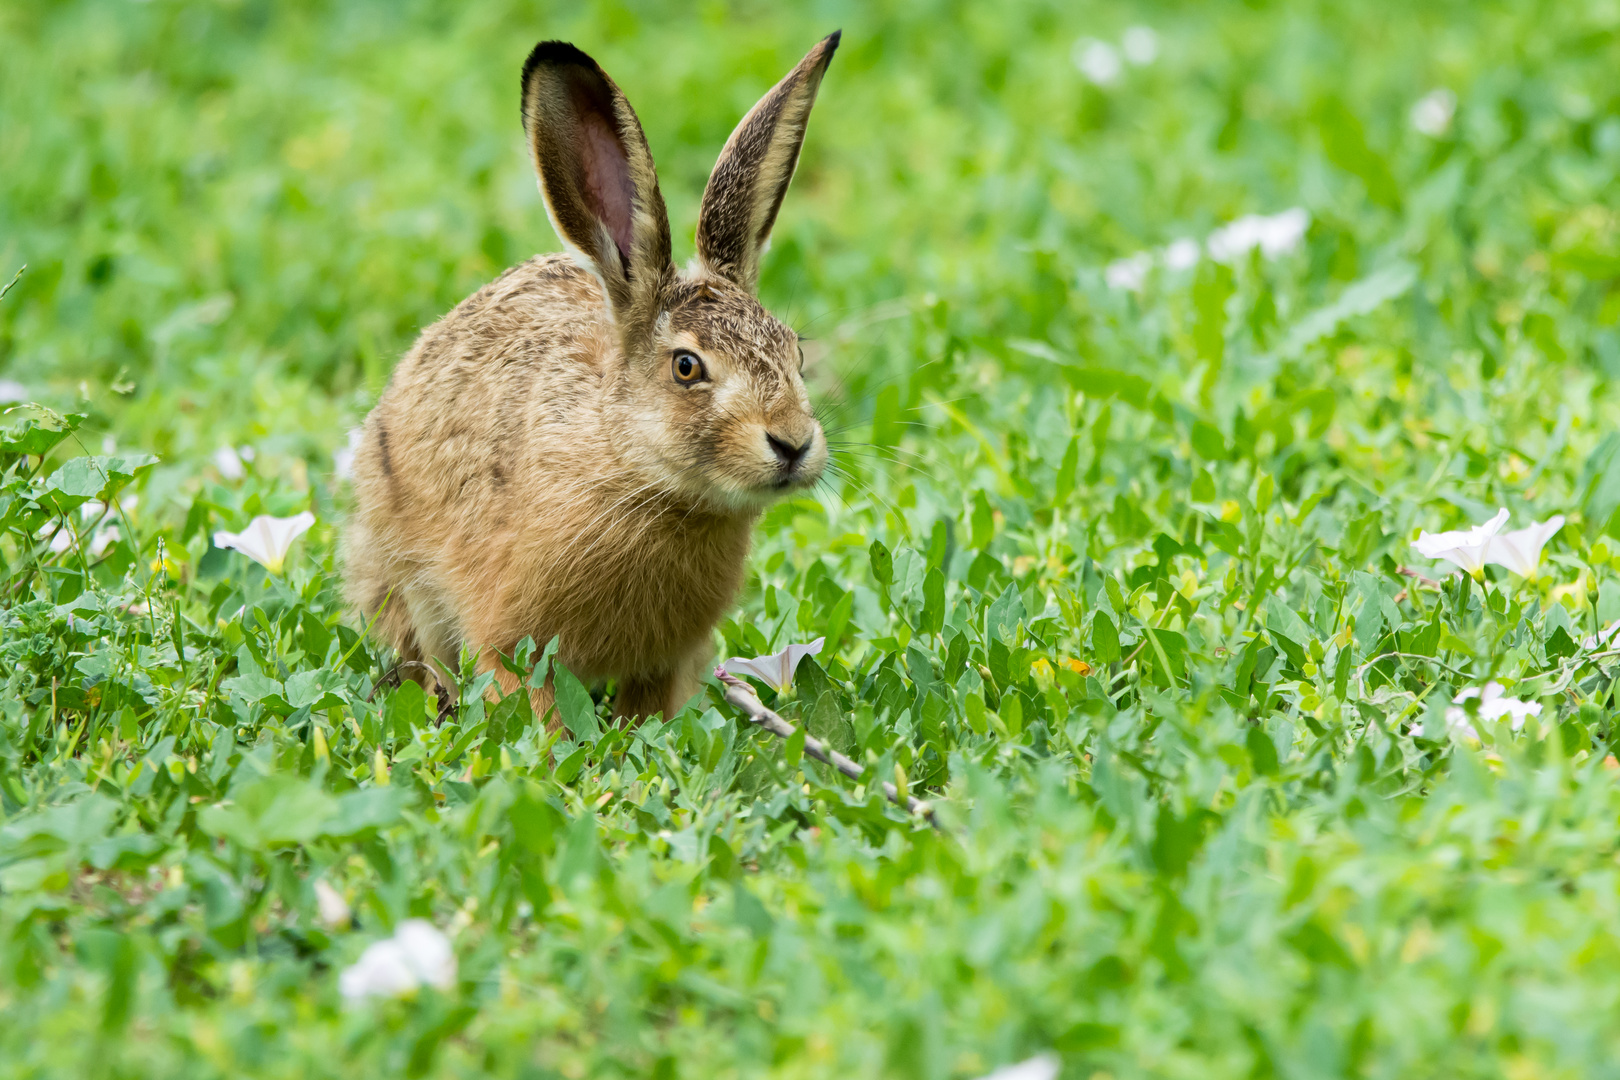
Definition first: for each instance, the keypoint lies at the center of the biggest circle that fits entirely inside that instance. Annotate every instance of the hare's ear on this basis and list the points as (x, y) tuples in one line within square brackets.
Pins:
[(746, 188), (597, 179)]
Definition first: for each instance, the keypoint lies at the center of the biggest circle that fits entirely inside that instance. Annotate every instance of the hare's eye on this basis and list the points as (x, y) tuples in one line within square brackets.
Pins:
[(687, 367), (801, 359)]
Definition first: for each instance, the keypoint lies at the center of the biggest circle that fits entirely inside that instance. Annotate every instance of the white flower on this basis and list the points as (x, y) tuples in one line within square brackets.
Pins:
[(1492, 706), (229, 463), (416, 954), (1604, 637), (1465, 548), (1183, 254), (266, 539), (1520, 550), (776, 670), (12, 391), (1140, 45), (1432, 113), (343, 457), (1040, 1067), (1274, 235), (330, 907), (1097, 61), (1128, 273)]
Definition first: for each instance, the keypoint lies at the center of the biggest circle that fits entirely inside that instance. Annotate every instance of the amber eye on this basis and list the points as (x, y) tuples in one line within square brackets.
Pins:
[(801, 359), (687, 367)]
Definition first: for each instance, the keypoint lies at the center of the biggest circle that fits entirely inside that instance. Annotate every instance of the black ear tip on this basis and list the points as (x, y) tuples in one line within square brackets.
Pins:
[(555, 54), (831, 41)]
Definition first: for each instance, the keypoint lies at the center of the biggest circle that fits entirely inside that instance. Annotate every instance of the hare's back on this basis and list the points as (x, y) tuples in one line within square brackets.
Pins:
[(513, 366)]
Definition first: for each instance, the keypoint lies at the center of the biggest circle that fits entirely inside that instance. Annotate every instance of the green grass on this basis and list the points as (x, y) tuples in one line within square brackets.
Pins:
[(1242, 844)]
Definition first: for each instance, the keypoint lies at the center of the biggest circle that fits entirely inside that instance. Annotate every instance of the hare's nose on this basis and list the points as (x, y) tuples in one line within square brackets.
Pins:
[(787, 453)]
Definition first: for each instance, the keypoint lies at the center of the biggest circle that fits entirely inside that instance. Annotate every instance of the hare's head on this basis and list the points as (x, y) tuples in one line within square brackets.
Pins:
[(708, 400)]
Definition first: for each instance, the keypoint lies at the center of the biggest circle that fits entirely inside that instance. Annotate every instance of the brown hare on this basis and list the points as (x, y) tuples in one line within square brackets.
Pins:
[(581, 448)]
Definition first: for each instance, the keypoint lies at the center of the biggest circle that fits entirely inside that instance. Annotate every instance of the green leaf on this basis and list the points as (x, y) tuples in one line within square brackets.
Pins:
[(1360, 298), (1064, 486), (1104, 639), (574, 705), (35, 430), (82, 479), (882, 563), (886, 428), (933, 612), (1211, 290), (1262, 751)]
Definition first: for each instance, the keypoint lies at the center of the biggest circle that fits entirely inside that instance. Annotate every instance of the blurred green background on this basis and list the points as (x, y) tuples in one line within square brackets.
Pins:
[(1116, 566)]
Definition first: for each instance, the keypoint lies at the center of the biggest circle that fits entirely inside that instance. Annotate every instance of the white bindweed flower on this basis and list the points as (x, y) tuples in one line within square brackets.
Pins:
[(343, 456), (1097, 61), (1140, 45), (1128, 273), (1275, 235), (229, 463), (1604, 637), (1040, 1067), (1492, 706), (1183, 254), (1433, 112), (330, 907), (266, 539), (1520, 550), (775, 670), (12, 391), (1466, 548), (417, 954)]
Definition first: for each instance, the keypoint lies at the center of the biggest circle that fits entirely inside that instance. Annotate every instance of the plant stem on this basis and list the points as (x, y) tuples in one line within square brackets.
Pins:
[(743, 697)]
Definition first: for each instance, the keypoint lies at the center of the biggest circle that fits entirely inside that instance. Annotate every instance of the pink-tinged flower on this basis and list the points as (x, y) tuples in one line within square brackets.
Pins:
[(775, 670), (1492, 706), (1520, 550), (1466, 548), (266, 539)]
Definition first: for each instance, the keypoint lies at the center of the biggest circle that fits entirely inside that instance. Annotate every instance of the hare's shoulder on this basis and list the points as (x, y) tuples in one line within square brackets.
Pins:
[(547, 287), (548, 307)]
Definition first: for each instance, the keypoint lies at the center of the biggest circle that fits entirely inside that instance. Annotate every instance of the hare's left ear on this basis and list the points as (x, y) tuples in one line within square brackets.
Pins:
[(746, 188), (598, 181)]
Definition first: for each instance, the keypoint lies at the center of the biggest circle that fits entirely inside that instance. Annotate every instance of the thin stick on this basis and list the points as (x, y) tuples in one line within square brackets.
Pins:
[(742, 695)]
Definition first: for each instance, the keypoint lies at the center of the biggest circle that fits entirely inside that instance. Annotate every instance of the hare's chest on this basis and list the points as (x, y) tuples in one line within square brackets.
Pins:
[(641, 599)]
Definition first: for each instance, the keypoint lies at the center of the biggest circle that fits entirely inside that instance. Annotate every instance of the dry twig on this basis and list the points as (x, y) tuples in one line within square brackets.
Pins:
[(742, 695)]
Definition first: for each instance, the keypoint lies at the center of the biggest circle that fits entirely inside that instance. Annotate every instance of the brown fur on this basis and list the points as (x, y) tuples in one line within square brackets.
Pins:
[(535, 468)]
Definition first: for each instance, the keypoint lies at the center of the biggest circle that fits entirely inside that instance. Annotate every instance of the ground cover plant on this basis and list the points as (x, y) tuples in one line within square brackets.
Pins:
[(1149, 339)]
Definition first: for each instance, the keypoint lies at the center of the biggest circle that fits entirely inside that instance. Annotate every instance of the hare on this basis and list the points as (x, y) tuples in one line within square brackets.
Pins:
[(582, 447)]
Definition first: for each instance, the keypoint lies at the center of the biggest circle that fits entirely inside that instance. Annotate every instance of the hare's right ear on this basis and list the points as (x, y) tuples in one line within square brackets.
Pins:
[(746, 188), (598, 181)]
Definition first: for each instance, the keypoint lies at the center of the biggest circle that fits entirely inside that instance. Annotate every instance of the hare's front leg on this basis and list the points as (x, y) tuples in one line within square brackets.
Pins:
[(643, 696), (640, 697)]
